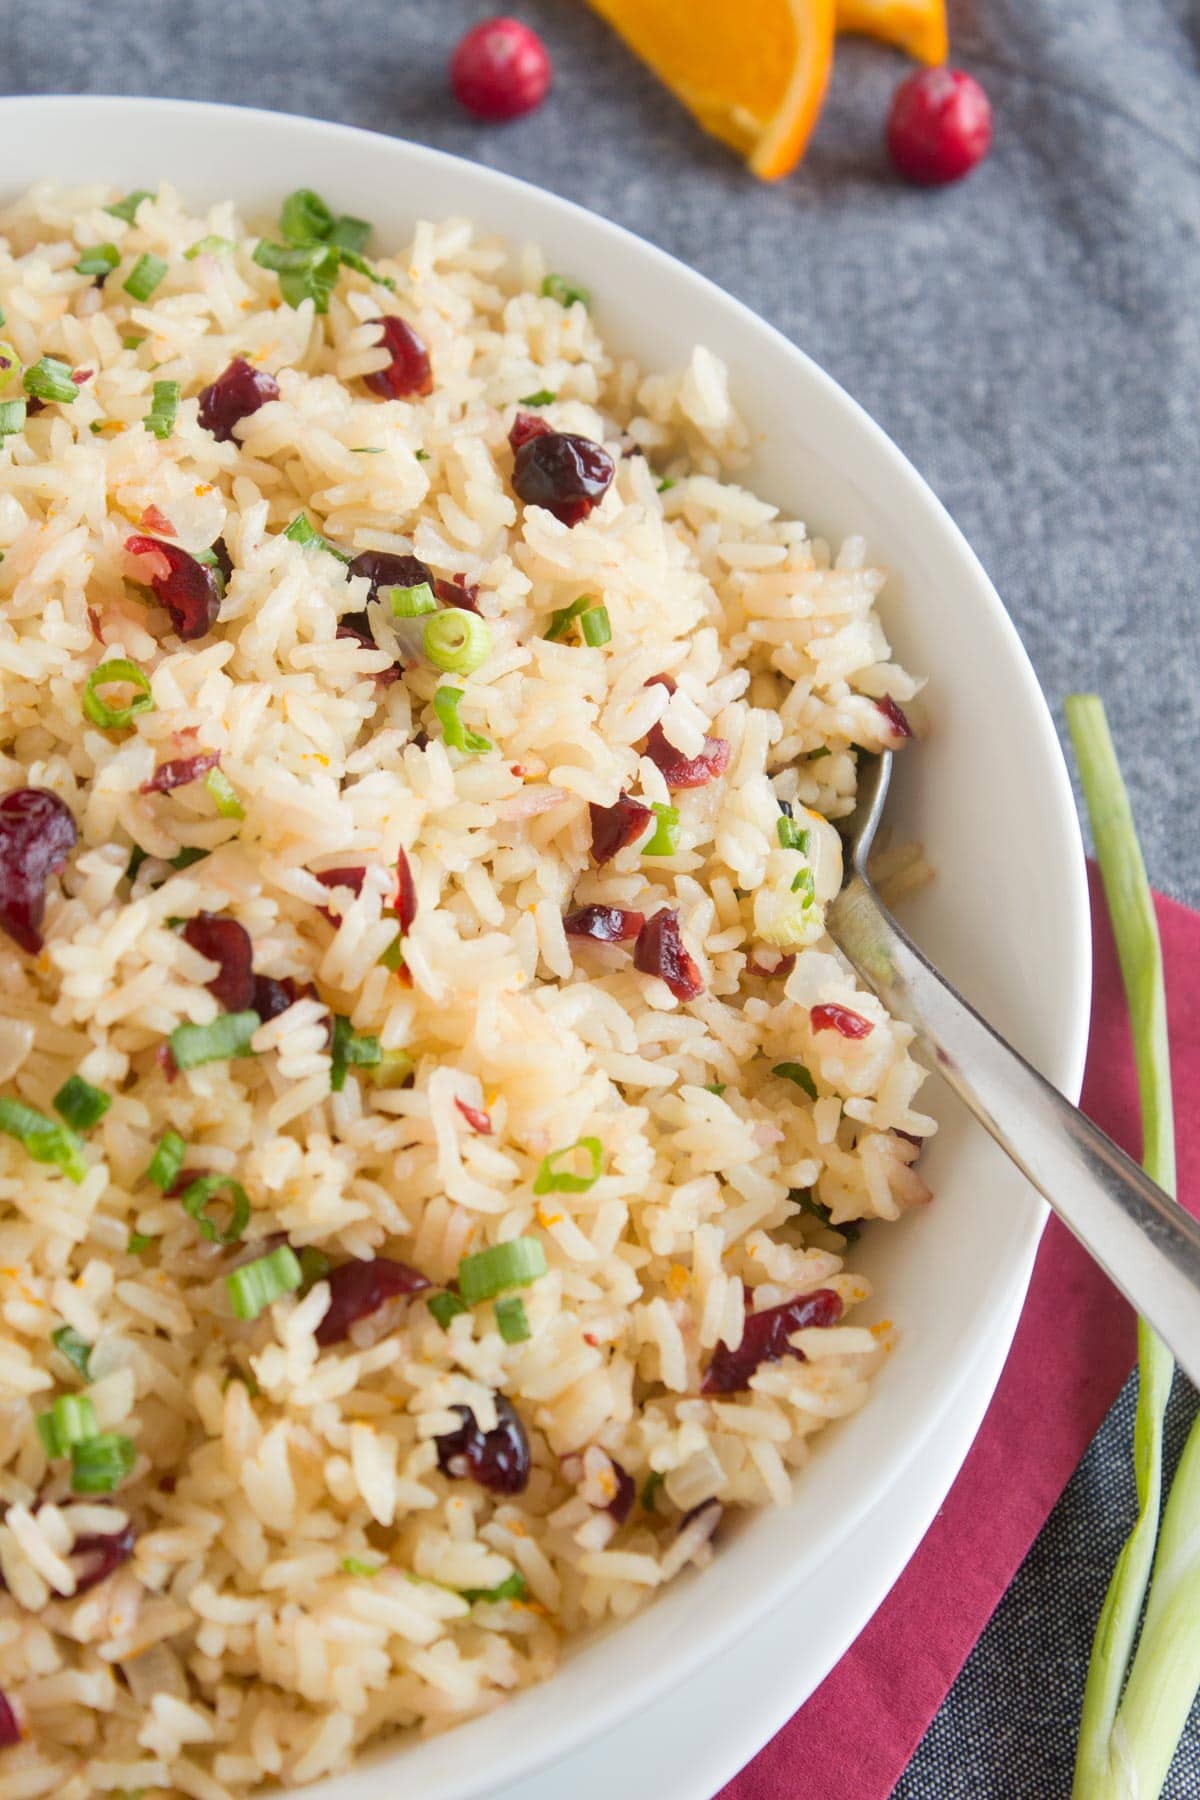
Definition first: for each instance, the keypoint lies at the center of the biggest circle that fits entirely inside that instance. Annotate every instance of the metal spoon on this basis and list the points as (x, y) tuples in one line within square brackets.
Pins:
[(1147, 1244)]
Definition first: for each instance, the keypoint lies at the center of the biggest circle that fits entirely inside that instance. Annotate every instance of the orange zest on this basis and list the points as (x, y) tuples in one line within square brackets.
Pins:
[(916, 26)]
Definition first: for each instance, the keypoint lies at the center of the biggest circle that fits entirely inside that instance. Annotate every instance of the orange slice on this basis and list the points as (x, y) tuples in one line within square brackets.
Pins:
[(752, 72), (917, 26)]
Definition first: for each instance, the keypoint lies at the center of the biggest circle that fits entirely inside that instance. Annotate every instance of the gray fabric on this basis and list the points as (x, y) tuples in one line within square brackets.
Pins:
[(1029, 337)]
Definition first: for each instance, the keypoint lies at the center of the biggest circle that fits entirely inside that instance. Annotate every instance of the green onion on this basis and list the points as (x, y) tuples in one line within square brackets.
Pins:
[(351, 236), (445, 1307), (195, 1199), (133, 341), (816, 755), (455, 735), (350, 1049), (421, 455), (49, 379), (304, 218), (354, 1565), (77, 1351), (513, 1264), (314, 1267), (715, 1087), (145, 275), (350, 259), (799, 1074), (513, 1587), (81, 1104), (303, 531), (116, 718), (226, 1037), (549, 1180), (138, 1241), (167, 1161), (100, 259), (160, 420), (101, 1464), (191, 853), (259, 1284), (807, 1202), (596, 627), (210, 246), (366, 449), (394, 1067), (411, 602), (306, 271), (562, 620), (224, 794), (393, 959), (12, 418), (665, 838), (512, 1321), (650, 1489), (127, 208), (664, 484), (1130, 1725), (543, 397), (556, 287), (791, 835), (457, 641), (71, 1420), (45, 1141), (803, 884)]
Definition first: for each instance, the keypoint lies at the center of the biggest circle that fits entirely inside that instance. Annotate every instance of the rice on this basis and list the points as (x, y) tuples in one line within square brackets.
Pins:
[(295, 1558)]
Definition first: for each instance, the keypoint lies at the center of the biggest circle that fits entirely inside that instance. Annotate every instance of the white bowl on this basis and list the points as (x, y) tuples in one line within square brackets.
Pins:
[(988, 795)]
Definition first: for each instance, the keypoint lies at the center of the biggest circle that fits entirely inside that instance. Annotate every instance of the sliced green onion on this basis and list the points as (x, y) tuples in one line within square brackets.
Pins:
[(715, 1087), (306, 271), (664, 841), (304, 218), (445, 1307), (557, 287), (352, 260), (803, 884), (350, 1049), (411, 602), (81, 1104), (543, 397), (43, 1139), (456, 641), (210, 246), (195, 1200), (807, 1201), (562, 620), (98, 259), (797, 1072), (77, 1350), (134, 340), (421, 455), (224, 794), (650, 1489), (446, 702), (191, 853), (101, 1464), (303, 531), (71, 1420), (596, 627), (550, 1180), (127, 208), (514, 1587), (138, 1241), (12, 418), (366, 449), (160, 420), (354, 1565), (350, 235), (258, 1285), (50, 379), (314, 1267), (664, 484), (513, 1264), (167, 1161), (226, 1037), (791, 835), (116, 718), (393, 959), (393, 1069), (512, 1321), (145, 275)]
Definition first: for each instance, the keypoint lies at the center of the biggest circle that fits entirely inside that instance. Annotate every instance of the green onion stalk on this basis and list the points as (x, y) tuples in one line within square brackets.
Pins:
[(1131, 1725)]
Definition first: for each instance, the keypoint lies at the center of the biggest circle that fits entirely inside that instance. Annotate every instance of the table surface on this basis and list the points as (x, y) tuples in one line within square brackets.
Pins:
[(1030, 338)]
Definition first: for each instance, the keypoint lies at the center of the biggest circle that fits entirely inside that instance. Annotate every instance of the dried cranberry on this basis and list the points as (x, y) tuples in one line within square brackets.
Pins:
[(680, 771), (233, 396), (621, 1504), (939, 126), (102, 1553), (272, 997), (383, 569), (357, 1289), (500, 70), (498, 1460), (408, 373), (227, 943), (179, 771), (406, 892), (190, 591), (910, 1137), (477, 1119), (828, 1016), (166, 1062), (526, 426), (459, 592), (10, 1730), (37, 833), (349, 877), (615, 827), (896, 717), (606, 924), (664, 680), (765, 1339), (566, 474), (660, 951)]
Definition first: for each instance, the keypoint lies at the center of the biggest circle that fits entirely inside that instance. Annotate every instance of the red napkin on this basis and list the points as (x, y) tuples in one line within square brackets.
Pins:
[(1073, 1349)]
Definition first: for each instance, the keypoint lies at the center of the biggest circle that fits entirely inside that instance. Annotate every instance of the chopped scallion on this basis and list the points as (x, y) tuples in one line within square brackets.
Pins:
[(350, 235), (457, 641), (164, 406), (71, 1420), (350, 1049), (146, 274), (224, 794), (259, 1284), (354, 1565), (791, 835), (127, 208), (210, 246), (12, 418), (715, 1087), (791, 1071), (445, 1307), (650, 1489), (543, 397), (551, 1180), (562, 620), (167, 1161), (81, 1104), (133, 340), (43, 1139), (394, 1068), (314, 1267), (803, 884), (195, 1200), (99, 259), (514, 1587), (513, 1264), (77, 1350), (512, 1322), (596, 626), (191, 853), (411, 602), (306, 271), (304, 218), (224, 1038), (101, 1464), (664, 484), (116, 718), (664, 840), (138, 1241), (303, 531), (446, 702), (50, 379), (557, 287)]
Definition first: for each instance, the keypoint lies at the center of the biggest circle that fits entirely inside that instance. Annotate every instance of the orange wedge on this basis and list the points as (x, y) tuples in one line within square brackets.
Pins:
[(917, 26), (752, 72)]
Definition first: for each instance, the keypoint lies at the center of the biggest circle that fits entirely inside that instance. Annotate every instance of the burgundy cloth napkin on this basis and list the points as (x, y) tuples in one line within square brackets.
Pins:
[(1073, 1349)]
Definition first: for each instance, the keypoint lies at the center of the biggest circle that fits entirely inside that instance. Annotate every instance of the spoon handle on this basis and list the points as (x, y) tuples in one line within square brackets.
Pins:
[(1147, 1244)]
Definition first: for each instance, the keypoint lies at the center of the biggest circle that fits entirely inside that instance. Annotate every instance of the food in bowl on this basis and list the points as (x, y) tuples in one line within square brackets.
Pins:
[(432, 1119)]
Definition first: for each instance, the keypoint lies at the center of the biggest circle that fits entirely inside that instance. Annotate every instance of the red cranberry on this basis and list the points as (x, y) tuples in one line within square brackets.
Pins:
[(406, 891), (680, 771), (408, 374), (102, 1553), (357, 1289), (383, 569), (498, 1460), (829, 1016), (272, 997), (617, 826), (233, 396), (660, 951), (476, 1118), (179, 771), (896, 716), (621, 1504), (606, 924), (37, 833), (765, 1339), (526, 426), (190, 591), (227, 943), (459, 592), (939, 126), (566, 474), (500, 70), (350, 877)]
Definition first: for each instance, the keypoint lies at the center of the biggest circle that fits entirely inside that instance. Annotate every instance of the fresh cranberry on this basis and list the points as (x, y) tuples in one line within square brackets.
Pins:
[(179, 770), (500, 70), (406, 891), (679, 771), (606, 924), (233, 396), (526, 426), (498, 1460), (408, 373), (10, 1730), (566, 474), (228, 944), (939, 126), (190, 591), (621, 1504), (357, 1289), (896, 716), (476, 1118), (37, 834), (765, 1339), (272, 997), (617, 826), (660, 951), (829, 1016)]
